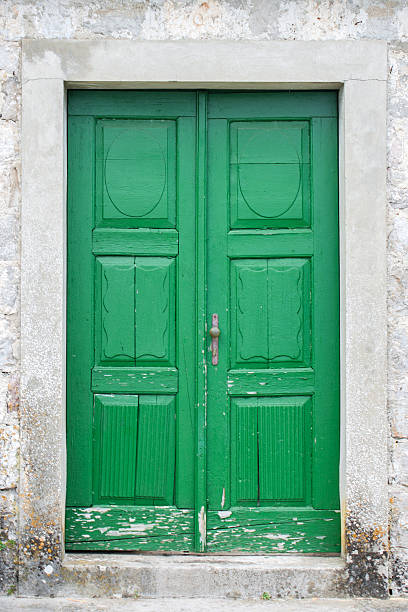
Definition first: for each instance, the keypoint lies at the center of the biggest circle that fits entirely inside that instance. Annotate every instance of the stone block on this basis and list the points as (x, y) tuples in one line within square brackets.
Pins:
[(399, 450), (399, 415), (9, 277), (9, 186), (8, 456), (4, 382), (9, 139), (9, 541), (7, 338), (398, 160), (399, 523), (9, 98), (8, 237), (9, 58)]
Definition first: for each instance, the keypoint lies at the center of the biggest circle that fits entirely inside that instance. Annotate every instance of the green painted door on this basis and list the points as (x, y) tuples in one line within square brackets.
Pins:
[(131, 320), (182, 205), (273, 400)]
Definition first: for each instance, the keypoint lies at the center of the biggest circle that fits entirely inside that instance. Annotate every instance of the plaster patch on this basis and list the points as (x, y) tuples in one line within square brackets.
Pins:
[(307, 20), (177, 20)]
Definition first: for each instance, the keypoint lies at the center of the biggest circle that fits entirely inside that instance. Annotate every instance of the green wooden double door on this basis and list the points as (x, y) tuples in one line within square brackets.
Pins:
[(183, 205)]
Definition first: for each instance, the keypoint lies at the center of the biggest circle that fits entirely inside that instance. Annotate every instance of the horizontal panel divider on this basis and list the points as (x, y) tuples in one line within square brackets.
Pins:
[(262, 515), (269, 243), (158, 381), (151, 242), (292, 105), (296, 381), (133, 105)]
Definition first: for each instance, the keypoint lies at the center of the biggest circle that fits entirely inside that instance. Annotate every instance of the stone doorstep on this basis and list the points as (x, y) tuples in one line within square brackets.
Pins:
[(73, 604), (183, 576)]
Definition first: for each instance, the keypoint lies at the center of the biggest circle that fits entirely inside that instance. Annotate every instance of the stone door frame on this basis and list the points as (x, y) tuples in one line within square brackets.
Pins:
[(358, 70)]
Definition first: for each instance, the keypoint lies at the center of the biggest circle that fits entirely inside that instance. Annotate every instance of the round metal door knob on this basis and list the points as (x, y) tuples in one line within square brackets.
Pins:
[(215, 332)]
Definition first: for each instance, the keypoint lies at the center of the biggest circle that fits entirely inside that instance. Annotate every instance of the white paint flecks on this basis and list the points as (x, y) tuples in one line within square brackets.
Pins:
[(224, 514), (202, 526)]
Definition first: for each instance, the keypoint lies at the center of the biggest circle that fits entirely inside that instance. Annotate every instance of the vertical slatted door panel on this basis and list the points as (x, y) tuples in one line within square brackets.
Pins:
[(131, 269), (115, 437), (284, 449), (273, 239), (244, 447), (156, 450), (271, 450)]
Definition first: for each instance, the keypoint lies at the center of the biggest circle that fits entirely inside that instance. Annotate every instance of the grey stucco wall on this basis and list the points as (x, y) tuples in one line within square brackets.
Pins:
[(259, 19)]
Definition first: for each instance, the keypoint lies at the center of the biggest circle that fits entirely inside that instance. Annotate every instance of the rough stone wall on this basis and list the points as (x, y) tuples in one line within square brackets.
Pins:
[(398, 306), (174, 19)]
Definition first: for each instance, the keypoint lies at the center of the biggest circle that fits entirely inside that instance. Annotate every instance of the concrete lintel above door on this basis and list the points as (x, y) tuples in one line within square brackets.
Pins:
[(358, 70), (204, 64)]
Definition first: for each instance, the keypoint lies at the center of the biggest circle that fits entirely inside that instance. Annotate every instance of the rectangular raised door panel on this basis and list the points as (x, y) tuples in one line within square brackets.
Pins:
[(269, 174), (275, 327), (155, 310), (271, 445), (134, 449), (136, 173), (134, 295), (115, 442), (116, 316), (285, 436), (184, 205)]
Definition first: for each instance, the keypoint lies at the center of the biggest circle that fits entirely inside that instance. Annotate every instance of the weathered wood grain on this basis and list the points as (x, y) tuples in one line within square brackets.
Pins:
[(262, 530), (270, 243), (129, 528), (143, 241), (135, 380), (271, 382)]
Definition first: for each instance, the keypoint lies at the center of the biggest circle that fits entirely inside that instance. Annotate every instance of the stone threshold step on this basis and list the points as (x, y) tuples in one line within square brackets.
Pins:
[(194, 576), (72, 604)]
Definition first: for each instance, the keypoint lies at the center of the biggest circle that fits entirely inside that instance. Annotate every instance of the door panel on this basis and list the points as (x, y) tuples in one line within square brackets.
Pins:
[(269, 174), (115, 318), (274, 328), (270, 450), (131, 321), (273, 397), (165, 450), (115, 435), (136, 173)]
